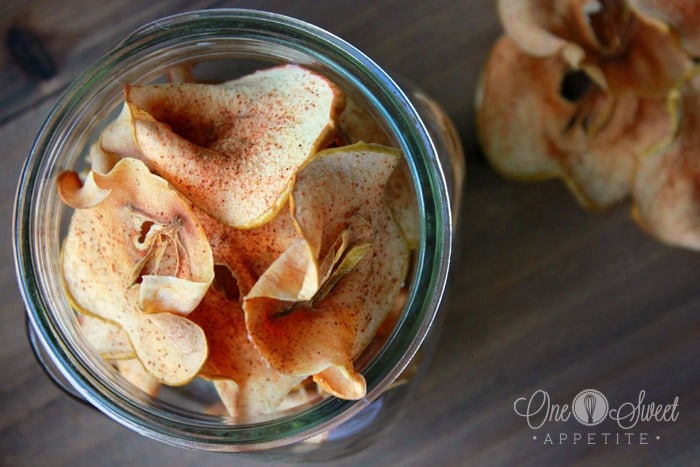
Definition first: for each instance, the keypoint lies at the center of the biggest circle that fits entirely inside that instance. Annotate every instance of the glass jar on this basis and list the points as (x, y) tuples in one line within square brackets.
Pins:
[(223, 44)]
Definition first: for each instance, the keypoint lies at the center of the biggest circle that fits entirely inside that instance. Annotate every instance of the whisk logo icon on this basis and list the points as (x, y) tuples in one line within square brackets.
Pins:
[(590, 407)]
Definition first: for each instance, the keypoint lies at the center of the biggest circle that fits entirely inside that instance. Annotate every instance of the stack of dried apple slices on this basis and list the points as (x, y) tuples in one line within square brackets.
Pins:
[(252, 233), (603, 95)]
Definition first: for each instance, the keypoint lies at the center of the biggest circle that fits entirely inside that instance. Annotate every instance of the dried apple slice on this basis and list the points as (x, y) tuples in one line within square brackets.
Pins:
[(118, 137), (604, 39), (108, 339), (112, 343), (535, 121), (667, 184), (134, 372), (245, 382), (680, 16), (293, 276), (651, 65), (100, 160), (296, 275), (115, 142), (357, 125), (247, 253), (233, 148), (401, 196), (341, 192), (540, 29), (129, 227)]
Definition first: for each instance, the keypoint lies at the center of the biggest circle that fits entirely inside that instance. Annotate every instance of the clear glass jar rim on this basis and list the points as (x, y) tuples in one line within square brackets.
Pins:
[(433, 251)]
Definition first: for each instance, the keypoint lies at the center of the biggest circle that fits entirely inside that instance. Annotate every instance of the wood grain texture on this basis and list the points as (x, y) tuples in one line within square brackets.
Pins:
[(543, 295)]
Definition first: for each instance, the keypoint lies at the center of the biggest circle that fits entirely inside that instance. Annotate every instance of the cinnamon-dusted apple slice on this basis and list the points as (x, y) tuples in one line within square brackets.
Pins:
[(667, 184), (117, 139), (233, 148), (537, 119), (135, 255), (357, 125), (247, 385), (340, 193), (247, 253)]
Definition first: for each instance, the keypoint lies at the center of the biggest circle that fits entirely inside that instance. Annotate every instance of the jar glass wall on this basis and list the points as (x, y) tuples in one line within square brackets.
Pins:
[(224, 44)]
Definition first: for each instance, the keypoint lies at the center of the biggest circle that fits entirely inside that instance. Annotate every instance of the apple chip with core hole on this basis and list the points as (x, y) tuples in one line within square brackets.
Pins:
[(233, 149), (349, 265), (135, 255), (588, 137)]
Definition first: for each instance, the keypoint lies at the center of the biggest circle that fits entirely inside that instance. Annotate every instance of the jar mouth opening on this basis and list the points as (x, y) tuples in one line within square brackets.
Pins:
[(209, 36)]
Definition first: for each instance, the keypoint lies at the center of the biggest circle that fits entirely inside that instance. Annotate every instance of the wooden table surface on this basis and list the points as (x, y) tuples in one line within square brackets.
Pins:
[(543, 294)]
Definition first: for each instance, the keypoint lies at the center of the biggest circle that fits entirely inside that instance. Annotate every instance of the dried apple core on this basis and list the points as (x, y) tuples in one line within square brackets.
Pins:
[(254, 233)]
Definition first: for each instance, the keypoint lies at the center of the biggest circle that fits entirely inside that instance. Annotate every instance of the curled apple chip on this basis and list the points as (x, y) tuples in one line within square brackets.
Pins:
[(588, 137), (246, 383), (247, 253), (682, 17), (108, 339), (540, 29), (116, 141), (616, 48), (401, 196), (357, 125), (135, 255), (667, 185), (233, 149), (354, 258), (112, 343), (134, 372)]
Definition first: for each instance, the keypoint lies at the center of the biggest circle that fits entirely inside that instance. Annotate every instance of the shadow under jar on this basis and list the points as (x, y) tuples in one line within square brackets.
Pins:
[(222, 45)]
